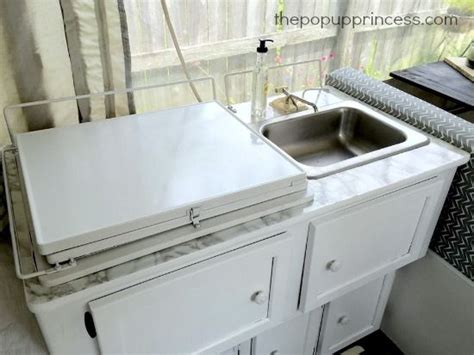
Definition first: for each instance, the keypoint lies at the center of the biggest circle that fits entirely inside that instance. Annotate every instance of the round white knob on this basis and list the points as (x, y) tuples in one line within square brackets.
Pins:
[(259, 297), (343, 320), (333, 265)]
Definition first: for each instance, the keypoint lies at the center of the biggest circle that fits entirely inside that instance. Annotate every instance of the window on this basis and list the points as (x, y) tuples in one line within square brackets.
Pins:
[(220, 36)]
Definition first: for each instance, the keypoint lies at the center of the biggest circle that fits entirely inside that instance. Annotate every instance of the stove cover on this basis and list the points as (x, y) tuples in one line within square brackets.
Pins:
[(103, 179)]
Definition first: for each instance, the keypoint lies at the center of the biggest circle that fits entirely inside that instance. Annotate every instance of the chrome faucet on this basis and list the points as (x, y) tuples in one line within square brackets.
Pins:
[(318, 89), (290, 98)]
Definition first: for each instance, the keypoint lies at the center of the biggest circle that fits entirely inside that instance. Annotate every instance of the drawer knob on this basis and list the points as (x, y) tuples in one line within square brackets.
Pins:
[(259, 297), (333, 265), (343, 320)]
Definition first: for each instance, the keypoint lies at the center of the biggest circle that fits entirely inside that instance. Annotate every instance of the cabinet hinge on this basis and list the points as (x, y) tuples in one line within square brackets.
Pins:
[(194, 216)]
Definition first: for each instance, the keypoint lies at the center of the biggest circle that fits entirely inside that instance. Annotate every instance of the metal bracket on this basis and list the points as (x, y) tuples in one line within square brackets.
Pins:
[(7, 109), (273, 67), (231, 109), (194, 216), (13, 233)]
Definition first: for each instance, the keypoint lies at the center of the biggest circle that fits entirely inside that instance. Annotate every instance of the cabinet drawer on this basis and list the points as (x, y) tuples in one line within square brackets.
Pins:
[(195, 308), (354, 245), (296, 336), (354, 315)]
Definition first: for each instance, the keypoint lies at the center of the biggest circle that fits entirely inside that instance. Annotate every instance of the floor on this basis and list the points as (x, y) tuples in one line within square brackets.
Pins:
[(19, 332), (376, 343)]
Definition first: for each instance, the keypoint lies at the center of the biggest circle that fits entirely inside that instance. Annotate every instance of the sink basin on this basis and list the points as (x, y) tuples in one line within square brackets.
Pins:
[(342, 136)]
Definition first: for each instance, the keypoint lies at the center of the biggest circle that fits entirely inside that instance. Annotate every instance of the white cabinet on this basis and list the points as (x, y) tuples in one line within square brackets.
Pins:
[(344, 320), (214, 305), (349, 248), (354, 315), (296, 336), (197, 308), (264, 297), (241, 349)]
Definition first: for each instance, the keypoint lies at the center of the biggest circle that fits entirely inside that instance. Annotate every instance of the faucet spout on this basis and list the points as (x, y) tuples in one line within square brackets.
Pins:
[(292, 98)]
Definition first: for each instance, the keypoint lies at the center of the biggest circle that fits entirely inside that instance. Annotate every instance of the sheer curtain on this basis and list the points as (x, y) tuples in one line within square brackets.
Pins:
[(97, 37), (51, 49), (33, 56), (220, 36), (54, 48)]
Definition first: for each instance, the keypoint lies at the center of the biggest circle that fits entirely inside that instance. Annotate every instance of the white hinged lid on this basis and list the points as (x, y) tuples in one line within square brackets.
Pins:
[(95, 181)]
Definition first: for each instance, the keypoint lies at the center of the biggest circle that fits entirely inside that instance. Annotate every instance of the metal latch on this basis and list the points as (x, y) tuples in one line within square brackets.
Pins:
[(194, 216)]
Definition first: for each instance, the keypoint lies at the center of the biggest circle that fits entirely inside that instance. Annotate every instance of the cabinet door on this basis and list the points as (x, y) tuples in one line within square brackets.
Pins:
[(349, 248), (296, 336), (354, 315), (196, 308)]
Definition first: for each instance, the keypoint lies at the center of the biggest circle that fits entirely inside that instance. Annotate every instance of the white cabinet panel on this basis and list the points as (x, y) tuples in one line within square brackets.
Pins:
[(193, 309), (352, 245), (241, 349), (354, 315), (296, 336)]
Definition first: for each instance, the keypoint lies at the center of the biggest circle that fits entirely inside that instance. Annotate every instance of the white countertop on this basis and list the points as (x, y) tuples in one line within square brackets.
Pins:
[(330, 193)]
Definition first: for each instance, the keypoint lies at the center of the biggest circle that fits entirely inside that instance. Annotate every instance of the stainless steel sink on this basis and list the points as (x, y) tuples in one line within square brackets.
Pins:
[(340, 137)]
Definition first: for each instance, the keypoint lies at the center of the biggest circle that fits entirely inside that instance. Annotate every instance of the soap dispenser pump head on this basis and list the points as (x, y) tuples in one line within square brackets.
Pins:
[(262, 48)]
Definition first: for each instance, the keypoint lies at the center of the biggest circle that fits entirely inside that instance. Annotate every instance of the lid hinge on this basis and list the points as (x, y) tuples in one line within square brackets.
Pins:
[(194, 216)]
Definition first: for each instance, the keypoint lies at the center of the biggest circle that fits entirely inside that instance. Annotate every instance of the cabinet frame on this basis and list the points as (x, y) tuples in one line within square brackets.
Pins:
[(325, 348), (431, 189), (274, 250)]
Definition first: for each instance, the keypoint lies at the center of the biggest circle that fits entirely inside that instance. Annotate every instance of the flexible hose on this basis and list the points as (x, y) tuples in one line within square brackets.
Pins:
[(178, 49)]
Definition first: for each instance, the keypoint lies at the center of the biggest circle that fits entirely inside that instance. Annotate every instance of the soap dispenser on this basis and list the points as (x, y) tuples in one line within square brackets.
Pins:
[(260, 82)]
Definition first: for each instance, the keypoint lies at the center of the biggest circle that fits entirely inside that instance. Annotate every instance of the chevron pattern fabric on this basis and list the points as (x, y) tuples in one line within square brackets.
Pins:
[(453, 238), (454, 234)]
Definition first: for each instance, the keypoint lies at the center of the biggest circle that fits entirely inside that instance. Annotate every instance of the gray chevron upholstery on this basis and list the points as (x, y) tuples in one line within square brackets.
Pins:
[(453, 238)]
